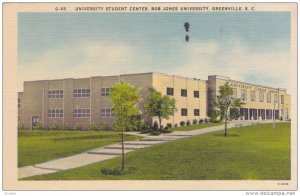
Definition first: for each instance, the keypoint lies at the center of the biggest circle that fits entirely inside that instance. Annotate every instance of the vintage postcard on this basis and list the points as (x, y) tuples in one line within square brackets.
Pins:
[(150, 96)]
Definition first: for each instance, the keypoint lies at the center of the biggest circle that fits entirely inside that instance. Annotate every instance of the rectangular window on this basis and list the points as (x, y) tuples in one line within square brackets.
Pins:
[(55, 94), (81, 93), (105, 92), (183, 112), (196, 94), (19, 118), (269, 97), (196, 112), (81, 113), (55, 113), (234, 93), (282, 99), (244, 95), (252, 95), (107, 112), (19, 103), (183, 92), (275, 98), (170, 91), (261, 96)]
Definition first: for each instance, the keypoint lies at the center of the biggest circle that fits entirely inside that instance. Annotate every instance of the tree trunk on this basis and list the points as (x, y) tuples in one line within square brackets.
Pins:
[(123, 154), (225, 130), (159, 119)]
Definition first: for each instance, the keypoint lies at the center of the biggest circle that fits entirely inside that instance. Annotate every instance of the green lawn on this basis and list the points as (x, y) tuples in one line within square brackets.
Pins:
[(41, 146), (197, 126), (248, 153)]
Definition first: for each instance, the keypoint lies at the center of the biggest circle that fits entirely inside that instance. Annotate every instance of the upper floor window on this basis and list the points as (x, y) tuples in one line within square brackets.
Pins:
[(183, 92), (234, 93), (55, 113), (183, 112), (261, 96), (81, 112), (282, 99), (269, 97), (244, 95), (19, 102), (105, 92), (275, 98), (196, 94), (170, 91), (107, 112), (55, 94), (252, 95), (81, 92)]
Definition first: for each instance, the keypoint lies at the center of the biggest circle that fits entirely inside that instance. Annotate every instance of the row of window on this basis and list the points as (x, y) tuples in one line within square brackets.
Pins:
[(183, 92), (184, 112), (104, 112), (79, 113), (57, 94), (55, 113), (260, 97)]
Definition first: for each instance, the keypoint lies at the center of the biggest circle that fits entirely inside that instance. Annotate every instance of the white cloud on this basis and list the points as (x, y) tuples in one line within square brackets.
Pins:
[(238, 63)]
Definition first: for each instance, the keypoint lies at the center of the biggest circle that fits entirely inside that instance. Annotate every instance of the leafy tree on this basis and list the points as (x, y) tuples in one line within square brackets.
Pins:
[(159, 106), (124, 102), (224, 102)]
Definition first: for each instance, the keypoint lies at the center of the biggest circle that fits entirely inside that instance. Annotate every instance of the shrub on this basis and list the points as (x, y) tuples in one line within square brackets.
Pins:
[(281, 118), (64, 126), (206, 120), (169, 125), (195, 121), (155, 126), (117, 171), (102, 127), (188, 122), (201, 121), (176, 125), (21, 126), (37, 126), (53, 126), (77, 127), (156, 132), (182, 123), (92, 127)]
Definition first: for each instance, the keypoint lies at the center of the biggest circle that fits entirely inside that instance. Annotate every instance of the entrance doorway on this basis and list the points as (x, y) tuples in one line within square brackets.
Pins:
[(34, 121)]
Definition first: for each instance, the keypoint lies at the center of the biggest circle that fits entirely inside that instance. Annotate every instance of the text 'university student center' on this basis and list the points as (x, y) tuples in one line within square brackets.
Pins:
[(85, 100)]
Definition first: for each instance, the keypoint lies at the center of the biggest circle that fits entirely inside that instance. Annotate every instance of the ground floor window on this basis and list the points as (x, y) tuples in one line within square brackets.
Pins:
[(183, 112), (55, 113), (196, 112), (81, 112), (107, 112)]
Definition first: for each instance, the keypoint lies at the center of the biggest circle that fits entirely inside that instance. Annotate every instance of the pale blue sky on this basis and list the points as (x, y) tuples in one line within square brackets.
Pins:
[(249, 46)]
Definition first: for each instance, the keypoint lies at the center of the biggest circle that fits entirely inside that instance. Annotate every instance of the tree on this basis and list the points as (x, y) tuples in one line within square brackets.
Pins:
[(124, 102), (159, 106), (224, 102)]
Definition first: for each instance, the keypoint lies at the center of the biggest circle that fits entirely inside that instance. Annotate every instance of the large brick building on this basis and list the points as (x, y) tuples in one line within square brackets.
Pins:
[(85, 101)]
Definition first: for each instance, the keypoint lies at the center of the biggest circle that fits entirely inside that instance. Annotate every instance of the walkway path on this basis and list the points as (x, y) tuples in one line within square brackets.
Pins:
[(114, 150)]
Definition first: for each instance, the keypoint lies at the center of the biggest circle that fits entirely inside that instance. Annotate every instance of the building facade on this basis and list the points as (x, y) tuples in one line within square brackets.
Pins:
[(85, 100), (260, 102)]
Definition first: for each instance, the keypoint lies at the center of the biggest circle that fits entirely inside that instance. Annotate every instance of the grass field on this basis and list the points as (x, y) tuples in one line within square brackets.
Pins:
[(41, 146), (197, 126), (248, 153)]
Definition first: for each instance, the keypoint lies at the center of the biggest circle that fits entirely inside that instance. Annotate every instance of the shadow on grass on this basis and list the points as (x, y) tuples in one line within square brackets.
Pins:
[(228, 135)]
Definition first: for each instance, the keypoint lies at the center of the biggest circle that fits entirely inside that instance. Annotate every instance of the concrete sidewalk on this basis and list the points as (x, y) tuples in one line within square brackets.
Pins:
[(114, 150)]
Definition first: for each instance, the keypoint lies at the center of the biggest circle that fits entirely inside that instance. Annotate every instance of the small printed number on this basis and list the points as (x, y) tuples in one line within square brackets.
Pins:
[(282, 183), (60, 9), (10, 193)]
